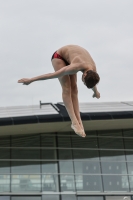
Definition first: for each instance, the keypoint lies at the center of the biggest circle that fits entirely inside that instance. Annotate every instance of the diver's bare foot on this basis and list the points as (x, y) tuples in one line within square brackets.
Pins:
[(83, 132), (82, 127), (78, 130)]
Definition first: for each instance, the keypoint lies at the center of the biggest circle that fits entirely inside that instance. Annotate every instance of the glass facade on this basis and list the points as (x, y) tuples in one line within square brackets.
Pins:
[(61, 165)]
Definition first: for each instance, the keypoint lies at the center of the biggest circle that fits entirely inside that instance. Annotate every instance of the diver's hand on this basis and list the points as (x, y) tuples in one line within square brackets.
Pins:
[(96, 94), (25, 81)]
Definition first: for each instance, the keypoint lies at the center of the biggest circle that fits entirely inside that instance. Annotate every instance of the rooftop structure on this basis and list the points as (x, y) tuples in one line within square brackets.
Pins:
[(49, 117)]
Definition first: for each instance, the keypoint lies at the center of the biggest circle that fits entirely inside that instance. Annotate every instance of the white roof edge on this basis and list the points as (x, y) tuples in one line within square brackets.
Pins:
[(47, 108)]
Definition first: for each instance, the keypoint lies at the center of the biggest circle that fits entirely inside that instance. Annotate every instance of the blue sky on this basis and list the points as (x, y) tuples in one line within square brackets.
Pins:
[(31, 30)]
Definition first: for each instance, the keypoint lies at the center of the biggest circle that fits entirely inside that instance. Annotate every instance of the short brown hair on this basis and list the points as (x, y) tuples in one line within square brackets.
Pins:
[(91, 79)]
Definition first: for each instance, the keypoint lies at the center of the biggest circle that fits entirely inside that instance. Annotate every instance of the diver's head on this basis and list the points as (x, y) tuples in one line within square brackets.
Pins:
[(90, 78)]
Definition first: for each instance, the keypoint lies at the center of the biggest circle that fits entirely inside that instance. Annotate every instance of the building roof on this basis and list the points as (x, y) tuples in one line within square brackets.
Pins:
[(19, 111), (48, 113), (106, 107), (57, 112)]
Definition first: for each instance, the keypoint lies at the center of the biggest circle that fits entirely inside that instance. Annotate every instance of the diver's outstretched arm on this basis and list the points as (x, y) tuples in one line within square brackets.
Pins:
[(70, 69)]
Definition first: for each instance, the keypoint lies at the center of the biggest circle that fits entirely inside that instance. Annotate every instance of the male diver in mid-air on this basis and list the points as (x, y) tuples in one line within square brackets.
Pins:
[(67, 61)]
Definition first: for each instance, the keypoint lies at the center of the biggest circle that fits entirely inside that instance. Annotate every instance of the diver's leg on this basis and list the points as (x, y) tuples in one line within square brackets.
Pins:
[(66, 96), (74, 96)]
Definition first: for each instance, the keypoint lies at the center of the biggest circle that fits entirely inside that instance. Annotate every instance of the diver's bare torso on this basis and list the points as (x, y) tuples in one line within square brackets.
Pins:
[(76, 54)]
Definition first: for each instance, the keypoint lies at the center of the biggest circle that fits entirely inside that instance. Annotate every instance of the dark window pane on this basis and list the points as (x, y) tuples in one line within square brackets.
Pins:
[(25, 154), (86, 167), (48, 140), (4, 153), (49, 154), (5, 141), (112, 155), (26, 183), (111, 143), (67, 182), (26, 141), (66, 166), (128, 133), (90, 198), (4, 167), (25, 167), (65, 154), (49, 167), (50, 197), (89, 142), (68, 197), (90, 134), (115, 183), (4, 183), (89, 183), (50, 183), (128, 143), (112, 133), (113, 168), (26, 198), (64, 141), (85, 154)]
